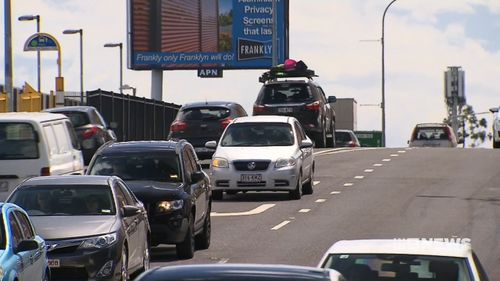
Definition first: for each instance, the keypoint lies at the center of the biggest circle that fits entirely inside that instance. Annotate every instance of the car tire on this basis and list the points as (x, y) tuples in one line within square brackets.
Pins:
[(330, 142), (185, 249), (202, 240), (308, 187), (217, 194), (296, 194), (496, 144), (320, 140), (124, 276)]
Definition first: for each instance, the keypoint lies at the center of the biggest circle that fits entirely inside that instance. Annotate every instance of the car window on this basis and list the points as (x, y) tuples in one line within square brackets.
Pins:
[(431, 133), (97, 118), (285, 93), (26, 227), (18, 141), (258, 134), (17, 235), (342, 137), (240, 111), (121, 198), (204, 113), (300, 134), (74, 139), (322, 95), (61, 138), (62, 200), (154, 166), (189, 165), (78, 119), (129, 199), (51, 140)]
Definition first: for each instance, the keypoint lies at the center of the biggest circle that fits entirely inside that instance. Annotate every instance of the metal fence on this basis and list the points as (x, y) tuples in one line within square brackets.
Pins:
[(136, 118)]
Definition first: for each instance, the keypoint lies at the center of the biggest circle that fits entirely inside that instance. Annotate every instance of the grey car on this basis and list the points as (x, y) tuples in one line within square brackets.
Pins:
[(94, 227)]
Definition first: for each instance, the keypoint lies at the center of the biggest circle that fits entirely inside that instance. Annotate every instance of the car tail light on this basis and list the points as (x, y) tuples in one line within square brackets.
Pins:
[(178, 126), (414, 135), (351, 144), (90, 132), (448, 132), (224, 122), (315, 106), (45, 171), (258, 108)]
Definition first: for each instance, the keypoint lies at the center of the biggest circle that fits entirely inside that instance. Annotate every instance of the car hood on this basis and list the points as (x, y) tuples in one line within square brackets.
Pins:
[(255, 152), (64, 227), (153, 191)]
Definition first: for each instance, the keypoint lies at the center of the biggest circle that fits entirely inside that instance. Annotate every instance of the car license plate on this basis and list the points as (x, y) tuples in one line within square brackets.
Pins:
[(251, 178), (54, 263), (285, 109)]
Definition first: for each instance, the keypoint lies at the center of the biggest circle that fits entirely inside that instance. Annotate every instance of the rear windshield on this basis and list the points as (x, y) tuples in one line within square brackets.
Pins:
[(65, 200), (162, 167), (285, 93), (204, 113), (258, 134), (18, 141), (431, 133), (78, 119)]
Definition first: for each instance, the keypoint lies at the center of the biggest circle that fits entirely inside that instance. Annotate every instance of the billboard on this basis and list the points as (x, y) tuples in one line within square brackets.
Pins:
[(195, 34)]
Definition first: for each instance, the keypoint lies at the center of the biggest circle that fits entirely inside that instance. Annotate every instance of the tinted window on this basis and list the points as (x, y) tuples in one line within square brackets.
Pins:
[(51, 140), (61, 137), (18, 141), (285, 93), (258, 134), (61, 200), (25, 224), (17, 235), (2, 234), (72, 135), (204, 113), (77, 118), (157, 166), (431, 133)]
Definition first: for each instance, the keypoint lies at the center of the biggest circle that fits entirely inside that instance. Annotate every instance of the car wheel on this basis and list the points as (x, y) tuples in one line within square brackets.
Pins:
[(217, 194), (321, 138), (330, 142), (496, 144), (124, 265), (296, 194), (185, 249), (308, 187), (146, 259), (202, 240)]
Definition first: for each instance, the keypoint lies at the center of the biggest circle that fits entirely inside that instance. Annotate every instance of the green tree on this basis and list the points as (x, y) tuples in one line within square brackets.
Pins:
[(472, 131)]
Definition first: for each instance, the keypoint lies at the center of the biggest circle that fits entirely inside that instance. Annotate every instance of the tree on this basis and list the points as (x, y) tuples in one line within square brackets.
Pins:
[(471, 128)]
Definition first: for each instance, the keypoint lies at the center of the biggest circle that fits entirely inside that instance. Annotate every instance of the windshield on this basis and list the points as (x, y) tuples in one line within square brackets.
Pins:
[(204, 113), (358, 267), (18, 141), (150, 167), (258, 134), (65, 200)]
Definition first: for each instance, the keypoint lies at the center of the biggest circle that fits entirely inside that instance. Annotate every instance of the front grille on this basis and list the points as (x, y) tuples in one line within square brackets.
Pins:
[(250, 184), (64, 250), (68, 273), (247, 165)]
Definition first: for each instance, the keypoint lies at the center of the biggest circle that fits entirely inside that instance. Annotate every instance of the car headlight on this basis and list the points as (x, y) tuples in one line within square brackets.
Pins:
[(99, 242), (220, 163), (167, 206), (285, 162)]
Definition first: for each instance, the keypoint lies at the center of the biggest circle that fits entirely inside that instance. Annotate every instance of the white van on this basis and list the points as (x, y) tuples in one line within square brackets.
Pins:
[(36, 144)]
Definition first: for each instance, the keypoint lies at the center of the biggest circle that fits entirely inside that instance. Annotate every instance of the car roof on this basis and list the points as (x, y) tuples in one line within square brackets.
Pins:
[(295, 81), (68, 180), (137, 146), (209, 103), (264, 119), (31, 116), (81, 108), (401, 246), (431, 125), (220, 272)]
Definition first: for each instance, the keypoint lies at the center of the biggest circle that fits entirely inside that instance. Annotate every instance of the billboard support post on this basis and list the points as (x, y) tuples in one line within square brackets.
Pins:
[(275, 35), (157, 84)]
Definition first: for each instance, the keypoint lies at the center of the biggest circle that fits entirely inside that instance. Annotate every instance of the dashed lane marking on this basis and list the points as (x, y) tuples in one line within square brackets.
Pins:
[(378, 165), (359, 177), (401, 151), (348, 184), (320, 200), (223, 261), (283, 223), (335, 192), (394, 155), (369, 171), (386, 160), (316, 182), (262, 208), (304, 210)]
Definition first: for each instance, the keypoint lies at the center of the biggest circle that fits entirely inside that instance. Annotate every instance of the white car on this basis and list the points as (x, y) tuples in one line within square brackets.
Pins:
[(403, 260), (496, 127), (262, 153), (433, 135)]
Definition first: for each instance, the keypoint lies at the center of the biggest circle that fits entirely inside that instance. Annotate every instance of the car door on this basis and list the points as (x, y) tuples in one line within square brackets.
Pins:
[(307, 159), (197, 189), (37, 258)]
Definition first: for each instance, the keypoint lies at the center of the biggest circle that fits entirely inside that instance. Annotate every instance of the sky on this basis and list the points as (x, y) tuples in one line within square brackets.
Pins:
[(339, 39)]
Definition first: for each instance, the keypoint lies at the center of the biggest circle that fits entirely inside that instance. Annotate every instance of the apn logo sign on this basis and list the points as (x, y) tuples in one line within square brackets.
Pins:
[(210, 73)]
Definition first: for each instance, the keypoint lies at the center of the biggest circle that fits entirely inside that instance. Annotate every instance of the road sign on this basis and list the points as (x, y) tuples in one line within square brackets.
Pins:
[(210, 73), (369, 138), (41, 42)]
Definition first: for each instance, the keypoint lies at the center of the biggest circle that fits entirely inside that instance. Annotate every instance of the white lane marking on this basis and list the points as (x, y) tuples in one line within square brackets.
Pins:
[(316, 182), (335, 192), (378, 165), (386, 160), (359, 177), (394, 155), (283, 223), (262, 208), (401, 151), (348, 184), (320, 200), (328, 150), (369, 171), (304, 210), (223, 261)]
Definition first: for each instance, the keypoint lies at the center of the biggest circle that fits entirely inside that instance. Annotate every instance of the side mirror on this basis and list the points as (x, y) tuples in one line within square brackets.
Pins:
[(197, 176), (332, 99), (211, 144), (494, 109), (129, 211), (306, 144), (26, 245)]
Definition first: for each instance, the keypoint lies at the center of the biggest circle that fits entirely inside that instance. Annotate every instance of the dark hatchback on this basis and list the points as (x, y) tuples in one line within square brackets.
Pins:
[(166, 177), (90, 127), (201, 122)]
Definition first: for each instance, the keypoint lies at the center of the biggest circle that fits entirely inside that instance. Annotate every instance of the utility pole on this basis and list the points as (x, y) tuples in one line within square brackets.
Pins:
[(9, 88)]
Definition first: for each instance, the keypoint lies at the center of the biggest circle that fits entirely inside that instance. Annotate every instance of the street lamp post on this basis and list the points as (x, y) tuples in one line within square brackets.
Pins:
[(38, 58), (111, 45), (382, 105), (79, 31)]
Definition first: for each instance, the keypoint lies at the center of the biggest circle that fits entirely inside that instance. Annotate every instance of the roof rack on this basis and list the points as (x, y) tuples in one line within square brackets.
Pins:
[(286, 70)]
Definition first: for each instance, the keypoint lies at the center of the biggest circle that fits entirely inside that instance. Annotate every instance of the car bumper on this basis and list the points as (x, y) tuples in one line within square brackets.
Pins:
[(168, 228), (281, 179)]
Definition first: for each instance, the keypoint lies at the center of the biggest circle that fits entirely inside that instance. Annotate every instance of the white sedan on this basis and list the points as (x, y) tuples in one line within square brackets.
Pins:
[(403, 260), (262, 153)]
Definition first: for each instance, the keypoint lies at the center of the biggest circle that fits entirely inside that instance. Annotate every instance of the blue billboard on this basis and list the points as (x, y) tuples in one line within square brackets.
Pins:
[(196, 34)]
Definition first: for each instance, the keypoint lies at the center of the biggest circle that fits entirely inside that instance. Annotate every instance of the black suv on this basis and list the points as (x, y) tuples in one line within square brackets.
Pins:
[(204, 121), (302, 99), (166, 177)]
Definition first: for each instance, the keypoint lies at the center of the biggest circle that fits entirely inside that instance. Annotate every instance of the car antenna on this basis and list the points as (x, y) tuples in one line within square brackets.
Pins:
[(206, 101)]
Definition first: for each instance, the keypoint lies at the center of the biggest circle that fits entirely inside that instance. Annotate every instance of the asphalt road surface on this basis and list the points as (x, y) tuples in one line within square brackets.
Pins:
[(363, 193)]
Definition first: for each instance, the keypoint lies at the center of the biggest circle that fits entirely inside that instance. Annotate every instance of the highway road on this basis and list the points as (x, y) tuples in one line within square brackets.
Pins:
[(363, 193)]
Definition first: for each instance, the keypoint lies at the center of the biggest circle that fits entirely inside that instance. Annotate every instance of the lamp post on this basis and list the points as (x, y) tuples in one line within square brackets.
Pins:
[(382, 105), (112, 45), (79, 31), (38, 58), (128, 87)]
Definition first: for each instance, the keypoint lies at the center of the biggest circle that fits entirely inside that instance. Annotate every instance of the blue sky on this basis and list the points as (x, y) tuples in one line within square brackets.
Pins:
[(423, 38)]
